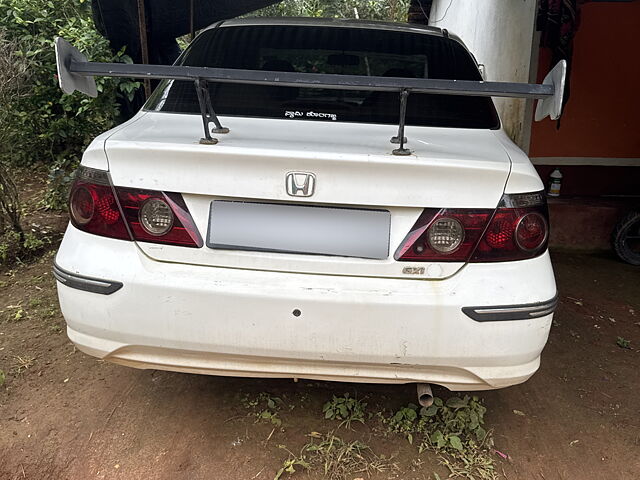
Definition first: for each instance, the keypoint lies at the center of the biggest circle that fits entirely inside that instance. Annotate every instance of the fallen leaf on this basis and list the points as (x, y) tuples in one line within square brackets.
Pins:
[(518, 412)]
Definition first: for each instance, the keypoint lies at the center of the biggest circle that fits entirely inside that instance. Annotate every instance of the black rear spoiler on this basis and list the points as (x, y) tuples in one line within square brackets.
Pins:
[(75, 72)]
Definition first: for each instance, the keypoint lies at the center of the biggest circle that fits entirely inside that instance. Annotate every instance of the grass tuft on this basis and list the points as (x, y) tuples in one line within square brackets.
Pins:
[(336, 458)]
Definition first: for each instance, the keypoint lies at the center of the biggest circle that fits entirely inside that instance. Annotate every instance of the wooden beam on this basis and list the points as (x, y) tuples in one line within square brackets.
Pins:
[(144, 44)]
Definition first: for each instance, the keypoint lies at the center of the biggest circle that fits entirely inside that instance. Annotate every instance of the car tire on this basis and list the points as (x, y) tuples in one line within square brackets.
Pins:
[(627, 229)]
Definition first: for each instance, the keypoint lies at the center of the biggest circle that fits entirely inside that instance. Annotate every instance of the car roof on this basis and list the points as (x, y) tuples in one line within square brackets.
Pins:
[(335, 22)]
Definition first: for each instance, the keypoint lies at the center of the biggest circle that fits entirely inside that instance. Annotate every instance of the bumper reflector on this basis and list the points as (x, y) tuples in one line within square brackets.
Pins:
[(88, 284), (512, 312)]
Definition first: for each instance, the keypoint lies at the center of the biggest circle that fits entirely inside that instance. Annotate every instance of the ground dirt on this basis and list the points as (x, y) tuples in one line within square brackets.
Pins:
[(65, 415)]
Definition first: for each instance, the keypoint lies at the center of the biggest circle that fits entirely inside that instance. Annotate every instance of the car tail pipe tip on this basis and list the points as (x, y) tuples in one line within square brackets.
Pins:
[(425, 395)]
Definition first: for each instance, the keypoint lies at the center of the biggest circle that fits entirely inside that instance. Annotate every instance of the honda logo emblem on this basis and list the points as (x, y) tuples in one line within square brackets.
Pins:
[(300, 184)]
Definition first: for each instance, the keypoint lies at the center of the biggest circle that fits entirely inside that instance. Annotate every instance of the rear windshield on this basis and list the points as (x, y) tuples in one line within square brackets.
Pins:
[(335, 50)]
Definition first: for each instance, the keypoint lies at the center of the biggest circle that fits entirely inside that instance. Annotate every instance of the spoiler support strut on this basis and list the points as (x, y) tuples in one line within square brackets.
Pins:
[(75, 72), (208, 114), (400, 138)]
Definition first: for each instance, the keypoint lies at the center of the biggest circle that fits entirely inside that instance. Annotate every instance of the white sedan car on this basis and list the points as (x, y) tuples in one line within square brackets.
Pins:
[(305, 244)]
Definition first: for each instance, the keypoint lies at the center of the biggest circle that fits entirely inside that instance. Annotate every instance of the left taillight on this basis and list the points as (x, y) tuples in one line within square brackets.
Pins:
[(158, 217), (93, 206), (96, 207), (518, 229)]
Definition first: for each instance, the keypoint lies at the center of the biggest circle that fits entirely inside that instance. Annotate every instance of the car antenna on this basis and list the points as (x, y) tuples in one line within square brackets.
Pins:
[(208, 113), (400, 138)]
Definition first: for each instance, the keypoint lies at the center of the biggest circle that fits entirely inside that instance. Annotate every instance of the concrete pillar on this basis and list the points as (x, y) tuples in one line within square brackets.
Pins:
[(500, 35)]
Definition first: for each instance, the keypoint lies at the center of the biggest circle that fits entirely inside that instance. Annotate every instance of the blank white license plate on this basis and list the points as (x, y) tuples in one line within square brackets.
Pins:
[(272, 227)]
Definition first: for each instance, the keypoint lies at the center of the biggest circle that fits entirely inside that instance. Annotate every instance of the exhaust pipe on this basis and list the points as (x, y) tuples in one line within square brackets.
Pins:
[(425, 396)]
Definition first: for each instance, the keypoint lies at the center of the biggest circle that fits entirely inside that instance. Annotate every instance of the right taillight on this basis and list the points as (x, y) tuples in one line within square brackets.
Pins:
[(516, 230), (95, 206), (513, 234)]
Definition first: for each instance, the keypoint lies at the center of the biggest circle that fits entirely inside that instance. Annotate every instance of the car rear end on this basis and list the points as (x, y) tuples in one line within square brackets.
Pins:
[(299, 246)]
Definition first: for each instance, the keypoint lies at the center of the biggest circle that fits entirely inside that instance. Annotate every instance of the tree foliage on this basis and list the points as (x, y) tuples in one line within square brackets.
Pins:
[(390, 10), (14, 75), (46, 125)]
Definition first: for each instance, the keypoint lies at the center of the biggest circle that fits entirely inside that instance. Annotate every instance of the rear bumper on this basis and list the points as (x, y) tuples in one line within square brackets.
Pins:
[(237, 322)]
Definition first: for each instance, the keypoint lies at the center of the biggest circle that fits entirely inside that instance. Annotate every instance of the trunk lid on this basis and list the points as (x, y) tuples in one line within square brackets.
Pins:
[(353, 167)]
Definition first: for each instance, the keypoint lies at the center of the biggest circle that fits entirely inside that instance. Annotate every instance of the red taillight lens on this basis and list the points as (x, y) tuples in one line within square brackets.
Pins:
[(151, 216), (517, 230), (513, 234), (434, 237), (82, 205), (531, 232), (159, 217), (93, 207)]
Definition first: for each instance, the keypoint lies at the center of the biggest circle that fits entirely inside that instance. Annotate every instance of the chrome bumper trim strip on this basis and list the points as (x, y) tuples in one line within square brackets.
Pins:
[(511, 312), (82, 282)]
